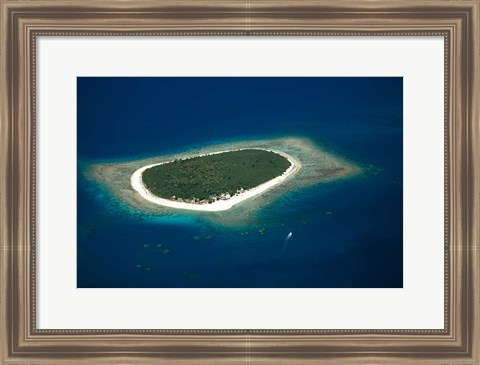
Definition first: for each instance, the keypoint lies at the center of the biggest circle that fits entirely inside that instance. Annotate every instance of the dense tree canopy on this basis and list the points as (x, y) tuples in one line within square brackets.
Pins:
[(206, 178)]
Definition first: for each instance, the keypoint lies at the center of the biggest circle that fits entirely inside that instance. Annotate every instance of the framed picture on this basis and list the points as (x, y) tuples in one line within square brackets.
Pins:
[(239, 182)]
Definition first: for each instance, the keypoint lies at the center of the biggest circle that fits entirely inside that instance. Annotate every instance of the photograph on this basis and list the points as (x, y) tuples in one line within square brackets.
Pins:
[(239, 182)]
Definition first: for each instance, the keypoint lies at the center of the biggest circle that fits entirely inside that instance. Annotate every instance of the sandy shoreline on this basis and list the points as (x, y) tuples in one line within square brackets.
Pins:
[(219, 205)]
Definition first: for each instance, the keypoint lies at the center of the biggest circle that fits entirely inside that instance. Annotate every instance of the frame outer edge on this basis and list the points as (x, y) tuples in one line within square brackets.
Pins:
[(474, 102), (3, 182), (8, 151), (5, 201)]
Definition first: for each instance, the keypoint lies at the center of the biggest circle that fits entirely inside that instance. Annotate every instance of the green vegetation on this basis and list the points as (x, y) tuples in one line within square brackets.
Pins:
[(204, 179)]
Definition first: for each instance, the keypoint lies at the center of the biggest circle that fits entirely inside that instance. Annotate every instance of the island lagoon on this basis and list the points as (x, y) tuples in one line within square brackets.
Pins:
[(336, 223)]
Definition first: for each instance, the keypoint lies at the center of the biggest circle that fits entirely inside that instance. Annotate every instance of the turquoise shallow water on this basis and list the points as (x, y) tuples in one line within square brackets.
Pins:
[(344, 234)]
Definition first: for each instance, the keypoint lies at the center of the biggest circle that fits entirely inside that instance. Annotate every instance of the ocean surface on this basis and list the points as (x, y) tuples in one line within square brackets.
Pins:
[(345, 234)]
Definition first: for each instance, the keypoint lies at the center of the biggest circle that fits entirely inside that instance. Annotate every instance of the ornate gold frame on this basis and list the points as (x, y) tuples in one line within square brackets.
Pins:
[(23, 21)]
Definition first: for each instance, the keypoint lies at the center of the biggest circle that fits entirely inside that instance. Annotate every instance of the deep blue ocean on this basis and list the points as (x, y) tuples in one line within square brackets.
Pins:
[(346, 234)]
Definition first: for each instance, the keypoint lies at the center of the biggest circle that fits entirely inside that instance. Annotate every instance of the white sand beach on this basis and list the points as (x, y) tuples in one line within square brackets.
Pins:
[(219, 205)]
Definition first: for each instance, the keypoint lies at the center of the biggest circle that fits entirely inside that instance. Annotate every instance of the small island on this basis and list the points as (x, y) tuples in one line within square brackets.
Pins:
[(285, 165), (214, 181)]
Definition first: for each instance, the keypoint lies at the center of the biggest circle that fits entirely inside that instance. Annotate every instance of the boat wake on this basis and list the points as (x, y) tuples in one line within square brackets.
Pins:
[(285, 243)]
